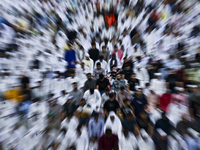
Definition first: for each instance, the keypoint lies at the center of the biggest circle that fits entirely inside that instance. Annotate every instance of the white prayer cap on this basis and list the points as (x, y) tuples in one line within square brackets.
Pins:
[(192, 86), (143, 133), (161, 132), (138, 66), (87, 55), (69, 97), (193, 132), (137, 87), (157, 74), (79, 109), (87, 110), (179, 89)]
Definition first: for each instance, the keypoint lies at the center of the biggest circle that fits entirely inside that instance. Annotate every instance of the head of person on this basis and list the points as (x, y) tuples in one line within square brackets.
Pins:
[(116, 48), (124, 33), (118, 76), (93, 45), (72, 73), (96, 116), (122, 89), (101, 77), (139, 92), (87, 56), (125, 132), (111, 96), (164, 116), (112, 116), (108, 132), (101, 58), (89, 76), (98, 65), (104, 48), (126, 102), (113, 56), (92, 91), (63, 92), (75, 85), (127, 67), (147, 85), (129, 116), (133, 76), (107, 90), (79, 132)]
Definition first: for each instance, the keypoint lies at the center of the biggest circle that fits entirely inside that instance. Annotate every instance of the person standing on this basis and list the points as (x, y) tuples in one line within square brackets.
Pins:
[(102, 83), (105, 53), (108, 141), (94, 52), (118, 82), (70, 57)]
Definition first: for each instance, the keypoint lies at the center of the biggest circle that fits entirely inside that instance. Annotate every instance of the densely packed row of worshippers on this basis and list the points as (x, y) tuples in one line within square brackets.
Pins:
[(99, 75)]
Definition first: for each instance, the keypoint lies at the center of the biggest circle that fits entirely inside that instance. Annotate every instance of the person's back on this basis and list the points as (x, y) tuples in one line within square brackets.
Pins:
[(108, 141)]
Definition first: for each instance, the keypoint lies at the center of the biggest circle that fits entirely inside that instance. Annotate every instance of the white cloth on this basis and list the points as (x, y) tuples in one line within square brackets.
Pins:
[(94, 100), (115, 126), (129, 143)]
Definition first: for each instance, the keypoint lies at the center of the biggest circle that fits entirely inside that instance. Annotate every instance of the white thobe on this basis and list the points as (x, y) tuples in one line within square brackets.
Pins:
[(94, 100)]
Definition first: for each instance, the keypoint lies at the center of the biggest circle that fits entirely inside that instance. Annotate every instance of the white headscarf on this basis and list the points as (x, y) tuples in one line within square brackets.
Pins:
[(115, 126)]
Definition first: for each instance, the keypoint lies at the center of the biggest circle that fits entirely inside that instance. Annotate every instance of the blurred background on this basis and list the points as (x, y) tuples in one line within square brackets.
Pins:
[(99, 75)]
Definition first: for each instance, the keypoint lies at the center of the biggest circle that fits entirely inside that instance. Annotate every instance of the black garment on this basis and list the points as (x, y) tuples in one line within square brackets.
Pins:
[(138, 104), (151, 73), (36, 64), (130, 63), (132, 84), (127, 73), (126, 110), (163, 124), (102, 84), (69, 108), (24, 82), (94, 54), (181, 127), (129, 125), (89, 84), (111, 105), (143, 123), (172, 79)]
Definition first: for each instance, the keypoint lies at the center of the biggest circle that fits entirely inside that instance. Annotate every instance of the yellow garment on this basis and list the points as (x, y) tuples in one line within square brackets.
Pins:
[(13, 94), (88, 63)]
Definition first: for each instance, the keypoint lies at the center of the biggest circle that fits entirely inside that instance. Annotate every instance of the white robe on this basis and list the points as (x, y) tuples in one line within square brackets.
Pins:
[(129, 143), (116, 125), (93, 100)]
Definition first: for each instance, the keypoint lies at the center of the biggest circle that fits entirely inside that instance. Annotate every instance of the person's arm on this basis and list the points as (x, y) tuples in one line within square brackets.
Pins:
[(101, 143), (97, 85), (116, 141)]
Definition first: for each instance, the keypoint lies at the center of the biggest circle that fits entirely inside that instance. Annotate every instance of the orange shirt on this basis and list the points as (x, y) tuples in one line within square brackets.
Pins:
[(110, 20)]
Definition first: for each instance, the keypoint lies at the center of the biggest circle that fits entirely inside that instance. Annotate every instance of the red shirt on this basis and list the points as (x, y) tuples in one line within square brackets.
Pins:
[(165, 100), (110, 20), (106, 143)]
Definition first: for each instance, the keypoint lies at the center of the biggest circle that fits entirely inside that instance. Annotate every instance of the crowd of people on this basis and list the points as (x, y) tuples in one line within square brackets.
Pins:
[(99, 75)]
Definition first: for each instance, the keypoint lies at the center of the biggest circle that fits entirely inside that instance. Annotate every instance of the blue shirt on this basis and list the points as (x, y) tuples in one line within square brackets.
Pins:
[(96, 128), (70, 56)]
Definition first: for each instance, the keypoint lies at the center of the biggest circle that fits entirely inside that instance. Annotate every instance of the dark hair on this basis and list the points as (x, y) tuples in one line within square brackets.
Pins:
[(115, 46), (103, 47), (88, 74), (98, 64), (147, 84), (101, 76), (133, 74), (111, 95), (126, 100), (93, 44), (101, 57), (122, 88), (107, 89), (63, 92)]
